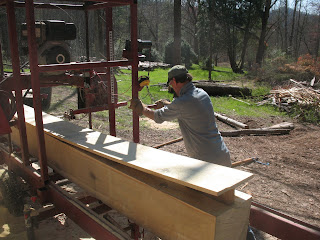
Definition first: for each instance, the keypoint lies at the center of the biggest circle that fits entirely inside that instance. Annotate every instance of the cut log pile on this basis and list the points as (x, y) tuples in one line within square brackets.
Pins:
[(294, 93)]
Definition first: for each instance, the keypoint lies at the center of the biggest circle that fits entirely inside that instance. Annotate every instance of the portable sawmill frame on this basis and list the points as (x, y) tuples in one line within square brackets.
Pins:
[(261, 217)]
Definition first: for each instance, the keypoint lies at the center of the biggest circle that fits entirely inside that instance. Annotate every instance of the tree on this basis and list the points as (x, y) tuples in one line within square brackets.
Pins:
[(177, 31), (263, 33)]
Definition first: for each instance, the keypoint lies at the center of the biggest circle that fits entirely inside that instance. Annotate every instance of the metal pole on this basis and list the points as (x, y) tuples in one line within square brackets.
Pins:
[(17, 78), (35, 81), (88, 59), (1, 61), (110, 75), (135, 62)]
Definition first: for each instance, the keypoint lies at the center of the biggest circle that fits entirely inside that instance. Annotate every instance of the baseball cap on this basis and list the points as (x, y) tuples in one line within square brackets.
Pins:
[(177, 71)]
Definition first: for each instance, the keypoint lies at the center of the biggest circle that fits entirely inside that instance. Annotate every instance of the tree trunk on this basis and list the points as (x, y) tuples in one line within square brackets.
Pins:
[(246, 38), (211, 29), (214, 89), (317, 45), (264, 22), (177, 31), (286, 26), (290, 48)]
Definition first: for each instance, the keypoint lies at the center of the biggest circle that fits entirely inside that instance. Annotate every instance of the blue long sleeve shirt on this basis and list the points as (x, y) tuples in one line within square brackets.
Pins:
[(195, 114)]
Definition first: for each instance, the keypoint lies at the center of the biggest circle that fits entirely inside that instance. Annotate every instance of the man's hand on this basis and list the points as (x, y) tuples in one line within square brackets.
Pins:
[(161, 103), (137, 106)]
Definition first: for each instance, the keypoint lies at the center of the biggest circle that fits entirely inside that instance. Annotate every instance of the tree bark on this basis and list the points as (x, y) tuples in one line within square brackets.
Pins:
[(177, 31), (290, 48), (264, 21)]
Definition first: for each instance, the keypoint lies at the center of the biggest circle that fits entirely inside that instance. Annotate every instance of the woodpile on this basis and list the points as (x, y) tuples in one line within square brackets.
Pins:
[(294, 94)]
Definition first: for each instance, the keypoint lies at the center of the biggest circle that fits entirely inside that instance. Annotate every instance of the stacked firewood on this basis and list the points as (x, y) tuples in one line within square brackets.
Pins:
[(293, 94)]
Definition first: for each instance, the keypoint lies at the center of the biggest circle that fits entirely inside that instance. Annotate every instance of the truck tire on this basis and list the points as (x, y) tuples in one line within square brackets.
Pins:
[(12, 192)]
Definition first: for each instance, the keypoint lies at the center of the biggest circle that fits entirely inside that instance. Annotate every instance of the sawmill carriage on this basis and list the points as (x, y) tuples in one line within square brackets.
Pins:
[(168, 194)]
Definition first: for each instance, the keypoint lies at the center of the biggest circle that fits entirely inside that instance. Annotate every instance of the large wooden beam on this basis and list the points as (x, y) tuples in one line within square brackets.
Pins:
[(206, 177), (168, 209), (159, 203)]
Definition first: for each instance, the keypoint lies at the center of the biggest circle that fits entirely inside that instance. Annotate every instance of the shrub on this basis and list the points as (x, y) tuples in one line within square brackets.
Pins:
[(187, 54)]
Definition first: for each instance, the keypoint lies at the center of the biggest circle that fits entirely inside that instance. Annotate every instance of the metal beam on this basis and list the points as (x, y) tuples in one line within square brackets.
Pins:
[(280, 225), (74, 211), (82, 65)]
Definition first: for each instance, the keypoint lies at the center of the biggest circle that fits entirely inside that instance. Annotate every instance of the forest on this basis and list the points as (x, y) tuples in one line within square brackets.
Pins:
[(243, 33)]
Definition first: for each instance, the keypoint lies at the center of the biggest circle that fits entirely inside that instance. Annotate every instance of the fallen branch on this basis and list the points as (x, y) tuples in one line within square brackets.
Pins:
[(230, 121), (256, 131), (169, 142)]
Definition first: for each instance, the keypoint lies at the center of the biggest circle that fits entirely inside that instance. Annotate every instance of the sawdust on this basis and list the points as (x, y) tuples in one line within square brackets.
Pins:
[(163, 126)]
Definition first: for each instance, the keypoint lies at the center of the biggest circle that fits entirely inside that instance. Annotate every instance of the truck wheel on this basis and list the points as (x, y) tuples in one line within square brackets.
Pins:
[(12, 192)]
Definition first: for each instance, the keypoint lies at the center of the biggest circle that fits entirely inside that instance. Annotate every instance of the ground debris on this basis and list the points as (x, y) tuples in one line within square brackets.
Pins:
[(294, 93)]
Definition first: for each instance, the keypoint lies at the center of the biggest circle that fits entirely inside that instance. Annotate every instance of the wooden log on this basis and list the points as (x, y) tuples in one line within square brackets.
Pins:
[(168, 209), (187, 171), (218, 89), (256, 131), (281, 128), (283, 125), (230, 121)]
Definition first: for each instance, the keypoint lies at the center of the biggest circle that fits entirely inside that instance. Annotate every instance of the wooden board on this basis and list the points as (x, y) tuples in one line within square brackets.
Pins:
[(206, 177), (170, 210)]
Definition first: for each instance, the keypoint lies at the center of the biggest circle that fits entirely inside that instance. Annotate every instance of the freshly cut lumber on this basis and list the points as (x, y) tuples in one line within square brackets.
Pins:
[(230, 121), (203, 176), (218, 89), (168, 209)]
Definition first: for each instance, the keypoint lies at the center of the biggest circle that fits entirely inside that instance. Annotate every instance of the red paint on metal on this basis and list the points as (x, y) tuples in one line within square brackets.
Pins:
[(82, 65), (15, 165), (33, 60), (79, 217), (281, 225), (110, 76), (17, 79), (4, 124), (1, 62), (135, 62)]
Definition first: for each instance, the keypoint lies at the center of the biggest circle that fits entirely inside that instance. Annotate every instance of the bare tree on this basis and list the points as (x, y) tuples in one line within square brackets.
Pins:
[(177, 31), (264, 24), (292, 33)]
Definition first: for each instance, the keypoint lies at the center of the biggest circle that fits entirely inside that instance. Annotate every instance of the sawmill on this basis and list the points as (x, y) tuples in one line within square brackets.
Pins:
[(173, 196)]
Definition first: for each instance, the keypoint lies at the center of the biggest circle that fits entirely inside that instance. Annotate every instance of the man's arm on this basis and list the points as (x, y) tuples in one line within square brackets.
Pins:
[(149, 113)]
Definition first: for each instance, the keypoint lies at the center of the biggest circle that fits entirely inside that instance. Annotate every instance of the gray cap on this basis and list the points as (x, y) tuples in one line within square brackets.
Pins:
[(177, 71)]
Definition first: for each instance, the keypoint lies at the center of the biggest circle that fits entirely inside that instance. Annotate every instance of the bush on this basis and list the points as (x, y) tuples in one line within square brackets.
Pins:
[(155, 56), (187, 54), (306, 113)]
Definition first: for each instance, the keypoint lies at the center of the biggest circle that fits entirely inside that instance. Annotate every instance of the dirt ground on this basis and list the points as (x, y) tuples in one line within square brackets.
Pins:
[(290, 183)]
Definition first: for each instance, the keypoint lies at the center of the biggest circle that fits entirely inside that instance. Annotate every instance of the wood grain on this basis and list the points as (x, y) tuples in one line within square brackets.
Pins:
[(206, 177)]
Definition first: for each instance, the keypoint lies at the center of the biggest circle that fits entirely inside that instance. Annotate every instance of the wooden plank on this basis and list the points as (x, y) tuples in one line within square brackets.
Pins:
[(168, 209), (200, 175)]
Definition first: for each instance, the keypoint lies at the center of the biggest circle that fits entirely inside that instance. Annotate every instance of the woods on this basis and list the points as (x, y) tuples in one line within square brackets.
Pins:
[(243, 32)]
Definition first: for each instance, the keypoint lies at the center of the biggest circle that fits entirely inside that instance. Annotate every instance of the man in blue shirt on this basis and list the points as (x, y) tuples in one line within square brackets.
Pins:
[(194, 111)]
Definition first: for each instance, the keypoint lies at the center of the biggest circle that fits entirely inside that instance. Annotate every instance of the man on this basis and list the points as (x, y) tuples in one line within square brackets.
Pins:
[(194, 111)]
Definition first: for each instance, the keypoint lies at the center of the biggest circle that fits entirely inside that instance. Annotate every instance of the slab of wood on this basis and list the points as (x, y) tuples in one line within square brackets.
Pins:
[(206, 177), (168, 209)]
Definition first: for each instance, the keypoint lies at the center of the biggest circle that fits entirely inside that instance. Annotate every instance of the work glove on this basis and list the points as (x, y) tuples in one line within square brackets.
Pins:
[(161, 103), (137, 106)]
